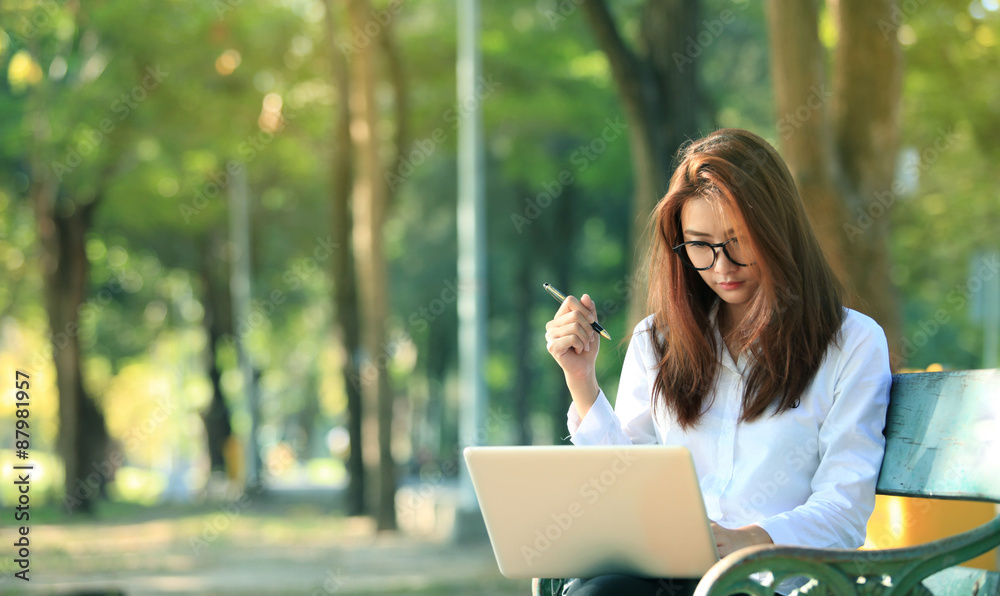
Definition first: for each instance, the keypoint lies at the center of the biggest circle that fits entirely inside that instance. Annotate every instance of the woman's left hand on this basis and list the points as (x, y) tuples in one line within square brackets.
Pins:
[(729, 541)]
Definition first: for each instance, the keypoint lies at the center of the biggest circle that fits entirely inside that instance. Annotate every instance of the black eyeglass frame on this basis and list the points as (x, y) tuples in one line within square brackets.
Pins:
[(681, 252)]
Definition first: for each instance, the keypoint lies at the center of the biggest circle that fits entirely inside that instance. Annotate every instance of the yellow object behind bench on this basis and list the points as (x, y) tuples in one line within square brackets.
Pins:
[(904, 521), (232, 455)]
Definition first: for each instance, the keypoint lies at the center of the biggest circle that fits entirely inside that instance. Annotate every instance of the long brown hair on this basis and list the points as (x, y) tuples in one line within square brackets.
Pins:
[(796, 311)]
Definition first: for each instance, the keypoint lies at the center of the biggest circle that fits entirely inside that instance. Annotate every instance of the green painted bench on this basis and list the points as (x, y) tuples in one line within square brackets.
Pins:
[(942, 441)]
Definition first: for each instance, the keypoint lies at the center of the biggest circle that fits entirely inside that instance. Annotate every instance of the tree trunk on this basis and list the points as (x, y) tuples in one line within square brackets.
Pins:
[(660, 90), (444, 444), (218, 428), (307, 418), (369, 202), (526, 334), (346, 309), (83, 437), (217, 321), (843, 156), (564, 245)]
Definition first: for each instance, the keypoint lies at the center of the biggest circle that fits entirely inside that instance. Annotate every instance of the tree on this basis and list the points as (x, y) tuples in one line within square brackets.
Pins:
[(841, 143), (948, 148), (346, 307), (114, 158), (372, 195), (661, 94), (70, 168), (217, 322)]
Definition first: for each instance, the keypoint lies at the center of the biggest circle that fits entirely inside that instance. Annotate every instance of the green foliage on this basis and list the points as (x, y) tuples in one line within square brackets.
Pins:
[(949, 125), (157, 103)]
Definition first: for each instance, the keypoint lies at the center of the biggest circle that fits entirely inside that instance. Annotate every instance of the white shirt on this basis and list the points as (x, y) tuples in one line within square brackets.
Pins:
[(807, 476)]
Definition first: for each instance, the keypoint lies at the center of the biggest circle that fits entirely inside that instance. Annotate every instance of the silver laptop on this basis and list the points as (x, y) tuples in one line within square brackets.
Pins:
[(586, 511)]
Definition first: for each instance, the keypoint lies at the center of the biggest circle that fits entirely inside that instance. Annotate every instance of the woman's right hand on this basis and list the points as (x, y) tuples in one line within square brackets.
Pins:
[(574, 344)]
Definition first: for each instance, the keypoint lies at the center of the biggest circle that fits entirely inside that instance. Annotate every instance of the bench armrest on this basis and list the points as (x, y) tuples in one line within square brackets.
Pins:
[(843, 572)]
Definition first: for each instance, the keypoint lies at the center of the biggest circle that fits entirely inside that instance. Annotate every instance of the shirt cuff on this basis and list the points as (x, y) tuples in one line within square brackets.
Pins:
[(781, 530), (599, 427)]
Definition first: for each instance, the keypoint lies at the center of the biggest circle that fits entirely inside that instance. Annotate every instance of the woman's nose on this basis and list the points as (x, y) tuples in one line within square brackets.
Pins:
[(722, 263)]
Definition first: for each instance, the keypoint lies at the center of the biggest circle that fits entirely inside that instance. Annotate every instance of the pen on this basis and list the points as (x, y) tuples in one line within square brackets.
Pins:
[(560, 298)]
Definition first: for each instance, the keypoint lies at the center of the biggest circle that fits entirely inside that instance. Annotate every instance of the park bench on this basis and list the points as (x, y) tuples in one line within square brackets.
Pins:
[(942, 441)]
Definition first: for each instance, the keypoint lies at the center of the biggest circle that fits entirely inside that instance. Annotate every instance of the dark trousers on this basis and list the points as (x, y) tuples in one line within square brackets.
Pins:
[(615, 585)]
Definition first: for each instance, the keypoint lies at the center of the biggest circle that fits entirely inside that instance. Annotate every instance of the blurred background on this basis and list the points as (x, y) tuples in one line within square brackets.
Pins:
[(229, 240)]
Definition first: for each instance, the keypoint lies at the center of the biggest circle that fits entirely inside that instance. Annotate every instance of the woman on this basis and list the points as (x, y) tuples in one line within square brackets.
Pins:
[(749, 360)]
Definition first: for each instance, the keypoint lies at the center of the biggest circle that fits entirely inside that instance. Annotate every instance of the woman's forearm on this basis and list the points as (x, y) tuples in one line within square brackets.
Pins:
[(584, 393)]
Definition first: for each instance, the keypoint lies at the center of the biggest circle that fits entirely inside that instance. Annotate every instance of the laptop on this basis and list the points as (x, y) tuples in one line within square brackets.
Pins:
[(573, 511)]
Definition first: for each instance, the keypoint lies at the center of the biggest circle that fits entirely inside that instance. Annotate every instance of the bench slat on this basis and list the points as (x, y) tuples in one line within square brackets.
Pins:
[(943, 436), (962, 581)]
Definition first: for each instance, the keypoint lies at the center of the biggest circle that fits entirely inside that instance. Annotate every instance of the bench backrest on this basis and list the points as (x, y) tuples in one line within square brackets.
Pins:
[(943, 436)]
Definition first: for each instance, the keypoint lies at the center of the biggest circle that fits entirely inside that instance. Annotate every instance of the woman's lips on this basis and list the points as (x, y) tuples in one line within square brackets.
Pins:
[(730, 285)]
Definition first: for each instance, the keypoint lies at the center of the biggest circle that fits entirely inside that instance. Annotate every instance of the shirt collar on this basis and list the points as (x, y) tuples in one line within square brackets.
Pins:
[(722, 353)]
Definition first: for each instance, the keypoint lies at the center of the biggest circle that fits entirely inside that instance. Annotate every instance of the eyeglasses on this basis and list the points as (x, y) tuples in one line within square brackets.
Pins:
[(703, 255)]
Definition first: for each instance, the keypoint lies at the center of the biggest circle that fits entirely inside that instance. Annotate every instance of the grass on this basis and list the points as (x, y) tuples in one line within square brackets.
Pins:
[(251, 546)]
